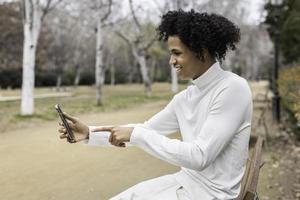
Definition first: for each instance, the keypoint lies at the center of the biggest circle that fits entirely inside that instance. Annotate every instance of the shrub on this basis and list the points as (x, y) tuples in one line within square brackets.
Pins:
[(10, 78), (289, 88), (87, 78), (68, 77), (45, 78)]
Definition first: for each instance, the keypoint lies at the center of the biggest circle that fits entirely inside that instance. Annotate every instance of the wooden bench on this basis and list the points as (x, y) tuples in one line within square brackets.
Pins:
[(250, 178)]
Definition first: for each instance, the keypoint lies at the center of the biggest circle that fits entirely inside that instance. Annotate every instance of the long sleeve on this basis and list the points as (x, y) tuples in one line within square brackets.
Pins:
[(164, 122), (227, 114), (98, 138), (101, 138)]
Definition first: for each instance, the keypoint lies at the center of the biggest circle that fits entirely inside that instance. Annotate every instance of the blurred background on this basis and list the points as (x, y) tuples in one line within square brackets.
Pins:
[(100, 59)]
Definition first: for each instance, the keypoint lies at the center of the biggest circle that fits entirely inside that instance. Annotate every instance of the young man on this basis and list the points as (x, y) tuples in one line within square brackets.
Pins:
[(213, 116)]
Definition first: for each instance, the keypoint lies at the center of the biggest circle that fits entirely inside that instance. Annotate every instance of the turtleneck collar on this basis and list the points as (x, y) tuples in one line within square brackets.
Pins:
[(208, 76)]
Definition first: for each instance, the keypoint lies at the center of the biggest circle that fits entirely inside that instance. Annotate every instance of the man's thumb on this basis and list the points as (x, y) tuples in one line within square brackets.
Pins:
[(69, 117)]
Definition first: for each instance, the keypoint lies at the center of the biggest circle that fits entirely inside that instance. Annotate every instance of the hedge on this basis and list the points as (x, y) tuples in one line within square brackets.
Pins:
[(12, 78), (289, 88)]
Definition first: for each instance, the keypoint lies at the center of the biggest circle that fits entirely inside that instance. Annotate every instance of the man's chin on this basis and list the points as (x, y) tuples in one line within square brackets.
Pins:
[(183, 78)]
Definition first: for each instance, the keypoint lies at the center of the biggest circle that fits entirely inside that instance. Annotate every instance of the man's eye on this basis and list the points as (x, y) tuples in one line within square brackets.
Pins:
[(176, 53)]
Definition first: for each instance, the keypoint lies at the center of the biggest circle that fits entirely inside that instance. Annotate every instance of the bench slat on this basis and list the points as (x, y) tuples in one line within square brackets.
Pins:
[(250, 178)]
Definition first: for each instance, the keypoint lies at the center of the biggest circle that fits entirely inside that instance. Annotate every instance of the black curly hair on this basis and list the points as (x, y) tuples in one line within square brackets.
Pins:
[(199, 31)]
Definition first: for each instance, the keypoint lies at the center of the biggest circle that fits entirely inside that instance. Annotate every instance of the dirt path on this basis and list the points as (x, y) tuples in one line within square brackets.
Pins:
[(35, 164), (37, 96)]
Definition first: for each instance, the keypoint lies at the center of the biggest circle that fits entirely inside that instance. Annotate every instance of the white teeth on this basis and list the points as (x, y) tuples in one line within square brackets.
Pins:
[(178, 66)]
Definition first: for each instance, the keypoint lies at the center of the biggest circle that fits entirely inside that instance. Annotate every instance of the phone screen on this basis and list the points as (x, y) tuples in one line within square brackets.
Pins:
[(70, 134)]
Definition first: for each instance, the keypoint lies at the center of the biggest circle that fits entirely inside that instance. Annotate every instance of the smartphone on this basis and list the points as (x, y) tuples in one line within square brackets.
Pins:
[(70, 134)]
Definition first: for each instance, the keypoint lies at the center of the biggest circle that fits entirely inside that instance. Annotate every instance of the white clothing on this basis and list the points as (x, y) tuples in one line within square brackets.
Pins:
[(214, 118), (161, 188)]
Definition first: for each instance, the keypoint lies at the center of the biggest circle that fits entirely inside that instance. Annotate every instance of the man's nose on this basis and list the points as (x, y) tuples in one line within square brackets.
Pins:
[(172, 60)]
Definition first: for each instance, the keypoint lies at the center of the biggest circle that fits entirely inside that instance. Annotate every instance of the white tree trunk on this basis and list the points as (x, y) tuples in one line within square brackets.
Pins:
[(78, 75), (174, 80), (78, 65), (99, 75), (144, 70), (112, 73), (58, 82), (32, 26)]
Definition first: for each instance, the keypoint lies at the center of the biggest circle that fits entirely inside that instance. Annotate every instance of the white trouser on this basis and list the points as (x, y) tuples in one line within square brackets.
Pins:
[(161, 188)]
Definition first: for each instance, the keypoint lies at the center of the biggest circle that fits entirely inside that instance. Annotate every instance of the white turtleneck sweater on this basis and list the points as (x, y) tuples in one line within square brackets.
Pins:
[(214, 118)]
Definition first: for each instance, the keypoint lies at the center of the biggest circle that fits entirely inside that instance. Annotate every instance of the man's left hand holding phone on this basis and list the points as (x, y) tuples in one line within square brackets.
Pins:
[(71, 128)]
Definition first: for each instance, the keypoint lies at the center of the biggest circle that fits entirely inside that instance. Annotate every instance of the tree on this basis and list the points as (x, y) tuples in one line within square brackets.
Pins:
[(290, 39), (288, 24), (34, 12), (253, 53), (74, 37), (60, 50), (11, 36), (139, 47), (100, 68), (70, 44), (99, 12)]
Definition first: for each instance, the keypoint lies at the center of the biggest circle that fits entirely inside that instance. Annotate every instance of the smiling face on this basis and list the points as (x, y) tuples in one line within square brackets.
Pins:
[(185, 62)]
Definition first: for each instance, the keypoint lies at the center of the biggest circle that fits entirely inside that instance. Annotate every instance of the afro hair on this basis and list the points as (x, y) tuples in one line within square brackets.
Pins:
[(199, 31)]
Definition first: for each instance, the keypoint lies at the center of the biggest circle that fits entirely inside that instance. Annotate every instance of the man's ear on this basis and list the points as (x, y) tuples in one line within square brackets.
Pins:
[(207, 56), (200, 56), (204, 55)]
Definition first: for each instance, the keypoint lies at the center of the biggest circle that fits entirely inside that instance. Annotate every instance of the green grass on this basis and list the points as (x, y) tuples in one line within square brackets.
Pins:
[(83, 101)]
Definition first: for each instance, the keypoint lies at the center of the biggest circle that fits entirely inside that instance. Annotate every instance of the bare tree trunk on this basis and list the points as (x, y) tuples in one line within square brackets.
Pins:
[(112, 71), (77, 76), (112, 75), (139, 49), (33, 15), (100, 68), (134, 68), (58, 82), (99, 75), (32, 26), (153, 71), (140, 57), (145, 75), (78, 65)]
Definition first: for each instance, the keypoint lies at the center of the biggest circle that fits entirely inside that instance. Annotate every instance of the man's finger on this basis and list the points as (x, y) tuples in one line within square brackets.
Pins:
[(69, 117), (62, 130), (79, 140), (122, 144), (63, 136), (107, 128), (118, 143), (111, 138)]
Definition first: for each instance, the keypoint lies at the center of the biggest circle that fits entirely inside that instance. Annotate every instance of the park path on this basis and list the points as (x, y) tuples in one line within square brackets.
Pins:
[(36, 165), (37, 96)]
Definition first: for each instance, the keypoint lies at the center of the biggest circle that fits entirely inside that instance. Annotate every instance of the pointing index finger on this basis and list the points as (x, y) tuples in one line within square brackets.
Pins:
[(107, 128)]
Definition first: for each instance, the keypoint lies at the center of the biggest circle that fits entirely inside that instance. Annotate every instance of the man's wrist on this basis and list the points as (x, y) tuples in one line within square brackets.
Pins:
[(88, 133)]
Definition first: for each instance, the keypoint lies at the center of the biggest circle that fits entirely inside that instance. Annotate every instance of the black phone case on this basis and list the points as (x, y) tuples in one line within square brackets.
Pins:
[(70, 134)]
